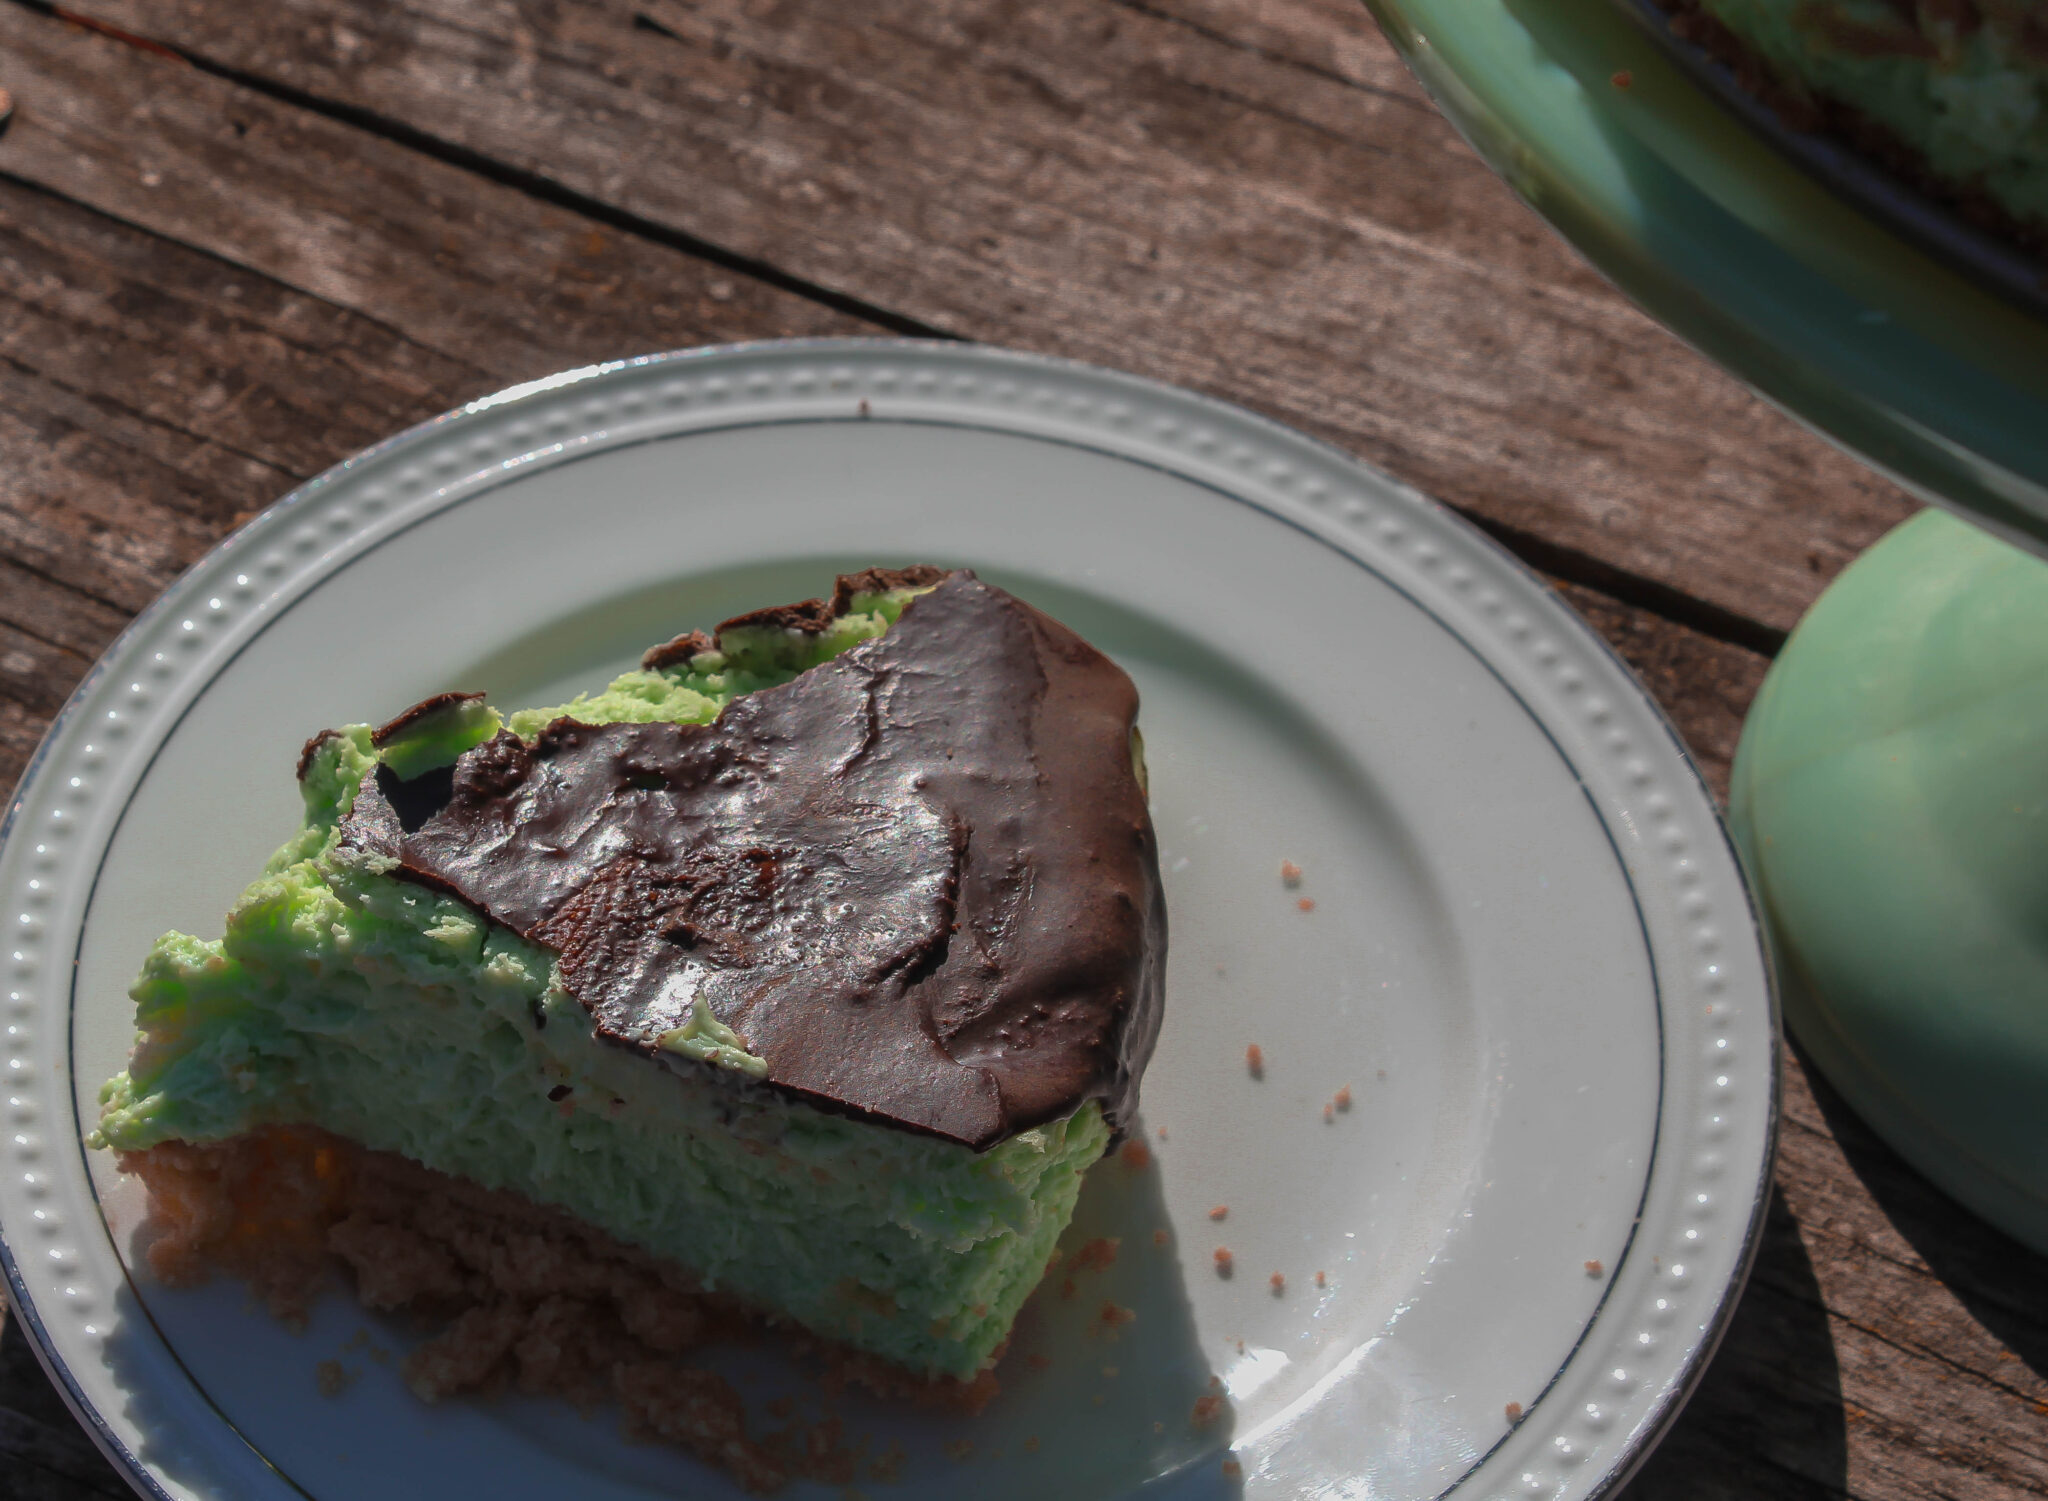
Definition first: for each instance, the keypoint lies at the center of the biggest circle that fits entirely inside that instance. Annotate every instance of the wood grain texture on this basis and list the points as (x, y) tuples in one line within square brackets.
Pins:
[(209, 292), (44, 1454), (1197, 191)]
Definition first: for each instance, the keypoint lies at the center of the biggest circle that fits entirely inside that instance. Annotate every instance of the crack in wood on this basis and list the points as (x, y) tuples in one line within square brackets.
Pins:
[(534, 184), (1270, 55)]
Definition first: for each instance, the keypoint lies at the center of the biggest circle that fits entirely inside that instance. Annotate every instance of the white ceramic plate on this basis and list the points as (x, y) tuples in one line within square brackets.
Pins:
[(1530, 958)]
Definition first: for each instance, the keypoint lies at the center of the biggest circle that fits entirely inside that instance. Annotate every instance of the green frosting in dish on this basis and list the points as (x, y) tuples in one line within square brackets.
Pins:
[(396, 1016), (1956, 83)]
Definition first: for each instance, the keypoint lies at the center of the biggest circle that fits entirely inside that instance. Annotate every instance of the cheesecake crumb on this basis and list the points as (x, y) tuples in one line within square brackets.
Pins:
[(1207, 1409), (1160, 1237), (1157, 1426), (1162, 1133), (1622, 79), (1321, 1280), (1067, 1288), (1307, 904), (1136, 1155), (1514, 1412), (1594, 1269), (1097, 1254), (1224, 1261), (1255, 1061), (1232, 1470), (1343, 1098), (1220, 1212), (1240, 1345), (1329, 1114), (568, 1313), (1290, 873), (331, 1377), (1278, 1282), (1113, 1316)]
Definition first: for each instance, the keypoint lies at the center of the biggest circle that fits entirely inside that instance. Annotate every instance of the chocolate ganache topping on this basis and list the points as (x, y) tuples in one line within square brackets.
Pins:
[(919, 880)]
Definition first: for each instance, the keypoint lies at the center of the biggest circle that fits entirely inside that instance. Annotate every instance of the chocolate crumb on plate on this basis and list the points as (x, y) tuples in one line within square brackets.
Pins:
[(1278, 1281), (1514, 1412), (1255, 1061), (1307, 904), (1224, 1261), (1290, 873), (1594, 1269), (1207, 1409), (1220, 1212)]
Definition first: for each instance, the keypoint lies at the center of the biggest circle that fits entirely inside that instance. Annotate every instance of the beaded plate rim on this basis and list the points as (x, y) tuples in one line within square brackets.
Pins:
[(1542, 652)]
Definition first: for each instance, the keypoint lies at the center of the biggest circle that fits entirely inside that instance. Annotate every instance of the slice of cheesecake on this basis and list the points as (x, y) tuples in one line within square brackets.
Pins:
[(809, 966)]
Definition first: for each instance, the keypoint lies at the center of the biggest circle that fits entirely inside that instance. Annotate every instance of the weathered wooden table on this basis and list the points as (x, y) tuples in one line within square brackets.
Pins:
[(239, 242)]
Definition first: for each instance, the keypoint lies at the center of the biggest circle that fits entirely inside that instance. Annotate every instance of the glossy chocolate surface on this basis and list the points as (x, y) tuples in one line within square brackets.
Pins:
[(919, 880)]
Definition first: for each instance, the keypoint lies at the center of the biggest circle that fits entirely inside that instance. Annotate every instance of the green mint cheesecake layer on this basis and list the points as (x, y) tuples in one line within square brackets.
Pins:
[(1961, 84), (347, 997)]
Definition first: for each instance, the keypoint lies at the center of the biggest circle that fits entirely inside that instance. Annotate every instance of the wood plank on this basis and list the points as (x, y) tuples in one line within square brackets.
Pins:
[(44, 1454), (1117, 184), (21, 730), (440, 265), (55, 614), (1942, 1322), (153, 391)]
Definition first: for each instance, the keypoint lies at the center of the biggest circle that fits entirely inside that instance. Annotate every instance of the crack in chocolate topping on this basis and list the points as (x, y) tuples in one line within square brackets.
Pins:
[(919, 880)]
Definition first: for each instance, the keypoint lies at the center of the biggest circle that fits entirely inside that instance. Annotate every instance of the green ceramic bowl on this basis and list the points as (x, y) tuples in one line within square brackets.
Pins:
[(1755, 262), (1891, 801)]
